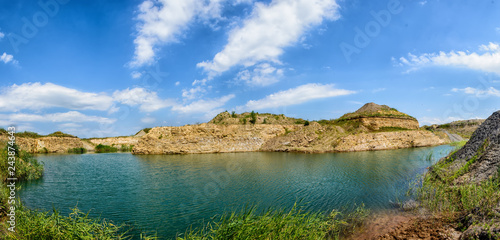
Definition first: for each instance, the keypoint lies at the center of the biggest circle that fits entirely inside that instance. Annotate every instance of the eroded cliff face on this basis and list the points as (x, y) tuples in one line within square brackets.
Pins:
[(388, 140), (376, 123), (314, 138), (116, 141), (49, 144), (208, 138)]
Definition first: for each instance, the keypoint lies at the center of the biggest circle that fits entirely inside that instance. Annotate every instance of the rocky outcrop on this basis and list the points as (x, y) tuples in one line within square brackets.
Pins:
[(375, 117), (116, 141), (208, 138), (376, 123), (482, 152), (475, 166), (387, 140), (49, 144)]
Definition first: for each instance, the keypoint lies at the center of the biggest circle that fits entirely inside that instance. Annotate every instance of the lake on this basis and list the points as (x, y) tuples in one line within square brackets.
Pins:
[(168, 193)]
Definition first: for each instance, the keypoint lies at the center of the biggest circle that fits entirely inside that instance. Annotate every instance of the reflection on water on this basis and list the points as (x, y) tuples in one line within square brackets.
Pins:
[(167, 193)]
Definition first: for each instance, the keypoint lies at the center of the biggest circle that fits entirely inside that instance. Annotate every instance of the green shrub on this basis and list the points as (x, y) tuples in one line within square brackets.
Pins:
[(60, 134), (306, 123), (43, 150), (77, 150), (27, 134), (125, 148), (233, 114), (253, 117), (105, 149)]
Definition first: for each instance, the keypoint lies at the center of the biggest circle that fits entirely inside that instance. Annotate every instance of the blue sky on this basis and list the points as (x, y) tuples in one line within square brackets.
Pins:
[(109, 68)]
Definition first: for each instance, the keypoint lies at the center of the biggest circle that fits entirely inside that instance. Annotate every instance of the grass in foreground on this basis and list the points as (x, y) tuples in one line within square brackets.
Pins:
[(32, 224), (469, 204), (280, 224)]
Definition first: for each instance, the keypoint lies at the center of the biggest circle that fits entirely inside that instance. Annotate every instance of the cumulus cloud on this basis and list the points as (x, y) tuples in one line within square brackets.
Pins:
[(37, 96), (262, 75), (268, 30), (203, 106), (298, 95), (6, 58), (147, 101), (478, 92), (163, 21), (71, 116), (487, 61), (136, 75), (2, 35), (193, 93)]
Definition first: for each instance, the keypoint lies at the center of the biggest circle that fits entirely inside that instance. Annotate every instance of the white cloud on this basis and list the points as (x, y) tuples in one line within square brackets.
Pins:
[(136, 75), (6, 58), (203, 106), (489, 61), (148, 101), (262, 75), (298, 95), (2, 35), (162, 22), (436, 120), (268, 30), (148, 120), (422, 3), (36, 96), (193, 93), (378, 90), (478, 92), (177, 83), (71, 116)]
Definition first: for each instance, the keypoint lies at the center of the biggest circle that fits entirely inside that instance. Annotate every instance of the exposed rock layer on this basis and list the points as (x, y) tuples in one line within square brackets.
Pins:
[(208, 138)]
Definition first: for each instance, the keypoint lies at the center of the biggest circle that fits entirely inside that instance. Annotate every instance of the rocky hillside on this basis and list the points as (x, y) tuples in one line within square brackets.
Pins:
[(226, 118), (462, 128), (372, 127), (481, 153), (469, 181), (59, 142), (375, 117), (208, 138)]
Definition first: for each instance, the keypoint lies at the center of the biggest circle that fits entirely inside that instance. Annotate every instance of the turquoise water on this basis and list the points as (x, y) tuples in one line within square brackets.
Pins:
[(168, 193)]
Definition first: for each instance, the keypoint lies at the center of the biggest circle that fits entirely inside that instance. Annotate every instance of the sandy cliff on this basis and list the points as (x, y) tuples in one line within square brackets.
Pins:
[(49, 144), (208, 138)]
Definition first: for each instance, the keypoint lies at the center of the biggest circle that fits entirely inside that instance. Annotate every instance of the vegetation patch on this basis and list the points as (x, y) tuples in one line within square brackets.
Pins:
[(105, 149), (126, 148), (60, 134), (295, 223), (77, 150)]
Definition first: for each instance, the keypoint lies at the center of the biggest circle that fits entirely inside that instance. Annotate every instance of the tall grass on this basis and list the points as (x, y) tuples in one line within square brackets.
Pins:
[(295, 223), (34, 225)]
